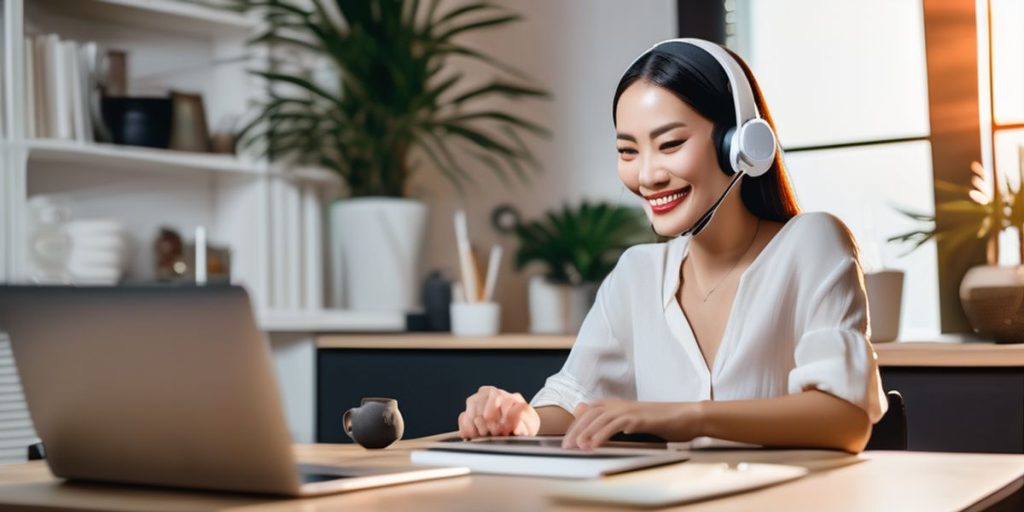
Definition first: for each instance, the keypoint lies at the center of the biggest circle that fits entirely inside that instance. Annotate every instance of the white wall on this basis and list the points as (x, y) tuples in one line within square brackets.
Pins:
[(578, 50)]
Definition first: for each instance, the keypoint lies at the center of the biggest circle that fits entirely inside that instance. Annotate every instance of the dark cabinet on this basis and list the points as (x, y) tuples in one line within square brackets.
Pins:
[(961, 409), (431, 385), (956, 409)]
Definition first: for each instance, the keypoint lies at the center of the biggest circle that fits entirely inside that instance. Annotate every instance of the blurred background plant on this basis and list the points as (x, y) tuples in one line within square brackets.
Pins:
[(581, 244), (390, 90), (973, 213)]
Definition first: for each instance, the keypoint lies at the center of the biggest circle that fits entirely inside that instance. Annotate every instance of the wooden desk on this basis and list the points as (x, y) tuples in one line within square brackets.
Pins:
[(878, 481)]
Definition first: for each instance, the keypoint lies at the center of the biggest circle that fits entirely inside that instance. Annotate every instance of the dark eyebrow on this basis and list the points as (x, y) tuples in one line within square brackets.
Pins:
[(654, 133), (660, 130)]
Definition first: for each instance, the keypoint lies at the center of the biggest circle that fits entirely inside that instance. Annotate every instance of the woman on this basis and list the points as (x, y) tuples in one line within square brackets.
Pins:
[(752, 328)]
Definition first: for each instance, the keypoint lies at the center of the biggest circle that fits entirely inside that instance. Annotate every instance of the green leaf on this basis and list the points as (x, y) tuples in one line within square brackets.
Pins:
[(477, 25), (501, 89), (466, 9), (497, 116)]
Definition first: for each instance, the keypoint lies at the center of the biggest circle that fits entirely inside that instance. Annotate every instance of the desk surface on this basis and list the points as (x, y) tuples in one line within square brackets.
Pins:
[(923, 354), (898, 481)]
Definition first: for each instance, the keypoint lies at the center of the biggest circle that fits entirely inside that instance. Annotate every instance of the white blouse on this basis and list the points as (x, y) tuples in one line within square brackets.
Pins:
[(798, 322)]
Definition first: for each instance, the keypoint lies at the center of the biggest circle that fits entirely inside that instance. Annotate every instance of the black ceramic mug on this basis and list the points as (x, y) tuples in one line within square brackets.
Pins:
[(376, 423), (138, 121)]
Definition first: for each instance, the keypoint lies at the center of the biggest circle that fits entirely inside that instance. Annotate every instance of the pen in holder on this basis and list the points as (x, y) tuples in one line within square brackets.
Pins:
[(475, 318)]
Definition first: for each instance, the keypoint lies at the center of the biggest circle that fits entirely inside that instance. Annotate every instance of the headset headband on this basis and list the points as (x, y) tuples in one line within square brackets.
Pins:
[(742, 95)]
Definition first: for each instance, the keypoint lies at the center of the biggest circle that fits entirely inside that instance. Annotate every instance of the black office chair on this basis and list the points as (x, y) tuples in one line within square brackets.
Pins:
[(890, 433), (36, 451)]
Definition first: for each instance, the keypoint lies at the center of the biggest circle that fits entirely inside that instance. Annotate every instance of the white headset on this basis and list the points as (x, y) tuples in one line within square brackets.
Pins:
[(750, 146)]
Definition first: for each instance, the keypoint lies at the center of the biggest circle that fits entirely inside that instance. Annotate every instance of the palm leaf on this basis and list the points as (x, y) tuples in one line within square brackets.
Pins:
[(390, 57)]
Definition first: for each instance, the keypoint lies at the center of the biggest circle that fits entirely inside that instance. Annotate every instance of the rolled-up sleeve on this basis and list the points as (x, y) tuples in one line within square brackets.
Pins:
[(598, 366), (832, 353)]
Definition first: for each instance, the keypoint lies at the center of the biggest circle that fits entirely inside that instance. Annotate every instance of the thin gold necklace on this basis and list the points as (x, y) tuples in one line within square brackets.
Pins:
[(727, 274)]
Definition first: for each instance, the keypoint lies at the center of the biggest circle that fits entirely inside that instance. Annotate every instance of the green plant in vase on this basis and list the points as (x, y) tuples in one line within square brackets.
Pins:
[(992, 296), (579, 246), (381, 99)]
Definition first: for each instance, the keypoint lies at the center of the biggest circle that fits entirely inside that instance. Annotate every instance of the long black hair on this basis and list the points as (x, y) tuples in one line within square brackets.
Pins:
[(696, 78)]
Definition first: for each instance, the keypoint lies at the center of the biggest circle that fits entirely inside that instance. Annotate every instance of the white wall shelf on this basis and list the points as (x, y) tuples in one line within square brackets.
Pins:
[(270, 216), (163, 15), (331, 321), (141, 159)]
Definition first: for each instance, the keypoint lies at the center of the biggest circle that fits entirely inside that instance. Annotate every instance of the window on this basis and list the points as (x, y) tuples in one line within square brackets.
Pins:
[(847, 85)]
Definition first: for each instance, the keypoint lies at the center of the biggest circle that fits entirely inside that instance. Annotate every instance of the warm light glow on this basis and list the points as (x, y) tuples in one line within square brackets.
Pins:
[(1008, 60)]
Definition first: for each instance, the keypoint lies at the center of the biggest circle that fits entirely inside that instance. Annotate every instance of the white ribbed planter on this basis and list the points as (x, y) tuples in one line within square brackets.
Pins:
[(558, 308), (885, 298), (378, 242)]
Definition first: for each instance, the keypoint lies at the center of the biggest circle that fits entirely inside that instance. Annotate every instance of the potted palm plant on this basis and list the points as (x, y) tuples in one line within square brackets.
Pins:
[(390, 101), (991, 295), (578, 246)]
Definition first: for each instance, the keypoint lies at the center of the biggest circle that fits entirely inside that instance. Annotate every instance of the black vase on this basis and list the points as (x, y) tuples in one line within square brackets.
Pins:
[(437, 297), (138, 121)]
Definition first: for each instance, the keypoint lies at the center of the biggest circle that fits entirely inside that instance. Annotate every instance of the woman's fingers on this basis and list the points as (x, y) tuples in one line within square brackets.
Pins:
[(494, 412), (471, 417), (492, 407), (521, 430), (598, 436), (580, 409), (571, 439), (466, 428), (585, 437), (481, 426), (512, 408)]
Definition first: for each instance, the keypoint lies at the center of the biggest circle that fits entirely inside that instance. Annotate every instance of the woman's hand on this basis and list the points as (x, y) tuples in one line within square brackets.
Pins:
[(496, 412), (597, 422)]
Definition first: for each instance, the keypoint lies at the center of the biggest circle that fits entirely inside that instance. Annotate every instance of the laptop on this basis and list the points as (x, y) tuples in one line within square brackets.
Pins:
[(167, 386)]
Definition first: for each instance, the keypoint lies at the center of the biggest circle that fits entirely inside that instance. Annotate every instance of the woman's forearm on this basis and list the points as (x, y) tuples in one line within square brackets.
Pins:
[(812, 419), (554, 421)]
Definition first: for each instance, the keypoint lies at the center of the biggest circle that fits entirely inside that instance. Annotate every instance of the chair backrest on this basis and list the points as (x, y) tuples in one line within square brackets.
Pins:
[(890, 433)]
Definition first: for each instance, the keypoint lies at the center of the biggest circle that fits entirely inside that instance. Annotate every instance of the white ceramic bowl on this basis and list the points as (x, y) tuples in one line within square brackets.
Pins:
[(96, 227), (105, 258)]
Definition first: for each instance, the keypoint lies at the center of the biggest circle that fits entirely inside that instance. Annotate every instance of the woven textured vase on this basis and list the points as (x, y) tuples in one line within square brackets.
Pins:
[(993, 300)]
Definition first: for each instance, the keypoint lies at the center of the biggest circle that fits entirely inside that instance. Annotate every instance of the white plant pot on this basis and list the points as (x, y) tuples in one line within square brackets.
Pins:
[(558, 308), (376, 246), (885, 297)]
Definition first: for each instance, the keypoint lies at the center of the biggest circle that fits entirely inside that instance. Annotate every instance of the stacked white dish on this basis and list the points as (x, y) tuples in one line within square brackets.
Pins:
[(98, 251)]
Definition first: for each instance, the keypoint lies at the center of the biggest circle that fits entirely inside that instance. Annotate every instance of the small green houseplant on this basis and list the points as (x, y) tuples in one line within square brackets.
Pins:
[(579, 246)]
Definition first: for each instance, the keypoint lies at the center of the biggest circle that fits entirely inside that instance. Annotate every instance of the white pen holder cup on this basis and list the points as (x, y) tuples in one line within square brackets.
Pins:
[(475, 318)]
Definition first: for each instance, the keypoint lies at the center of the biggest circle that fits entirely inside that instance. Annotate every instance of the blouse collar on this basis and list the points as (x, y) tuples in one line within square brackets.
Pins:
[(675, 250)]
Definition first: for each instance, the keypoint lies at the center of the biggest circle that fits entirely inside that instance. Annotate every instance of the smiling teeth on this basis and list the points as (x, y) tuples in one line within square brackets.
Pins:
[(665, 200)]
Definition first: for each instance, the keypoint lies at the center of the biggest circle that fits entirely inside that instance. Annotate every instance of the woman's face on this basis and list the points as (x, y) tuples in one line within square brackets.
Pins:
[(667, 157)]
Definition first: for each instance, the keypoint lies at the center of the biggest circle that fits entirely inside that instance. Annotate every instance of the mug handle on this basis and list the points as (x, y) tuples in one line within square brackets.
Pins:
[(346, 424)]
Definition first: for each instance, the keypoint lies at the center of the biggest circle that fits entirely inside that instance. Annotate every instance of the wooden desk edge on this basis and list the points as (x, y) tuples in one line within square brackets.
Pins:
[(445, 341), (894, 354)]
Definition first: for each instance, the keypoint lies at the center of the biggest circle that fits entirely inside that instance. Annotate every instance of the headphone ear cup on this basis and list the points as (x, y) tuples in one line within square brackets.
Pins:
[(723, 144)]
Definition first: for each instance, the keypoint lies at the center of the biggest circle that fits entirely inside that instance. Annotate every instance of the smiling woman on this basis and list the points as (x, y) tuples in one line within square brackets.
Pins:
[(685, 98), (751, 328)]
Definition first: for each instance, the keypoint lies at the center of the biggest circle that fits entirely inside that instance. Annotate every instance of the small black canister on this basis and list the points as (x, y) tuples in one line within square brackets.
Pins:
[(437, 297)]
